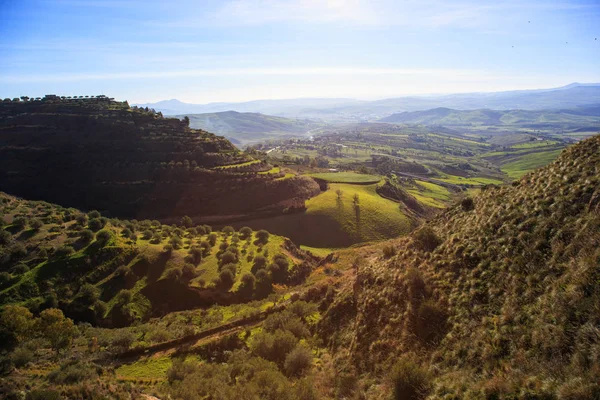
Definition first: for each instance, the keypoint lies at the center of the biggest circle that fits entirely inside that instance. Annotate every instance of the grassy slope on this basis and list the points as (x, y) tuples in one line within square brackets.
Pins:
[(528, 163), (504, 307), (332, 223)]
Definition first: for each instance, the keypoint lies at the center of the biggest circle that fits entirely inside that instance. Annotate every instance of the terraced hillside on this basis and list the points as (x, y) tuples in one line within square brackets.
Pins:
[(96, 153), (114, 272), (495, 298)]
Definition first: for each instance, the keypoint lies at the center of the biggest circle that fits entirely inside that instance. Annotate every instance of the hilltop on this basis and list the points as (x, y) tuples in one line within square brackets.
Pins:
[(246, 128), (496, 297), (97, 153)]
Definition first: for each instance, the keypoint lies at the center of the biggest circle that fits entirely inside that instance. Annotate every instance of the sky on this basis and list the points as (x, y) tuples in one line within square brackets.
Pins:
[(207, 51)]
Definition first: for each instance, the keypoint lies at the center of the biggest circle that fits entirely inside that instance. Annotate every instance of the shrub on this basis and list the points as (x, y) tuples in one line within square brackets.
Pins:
[(21, 357), (467, 204), (5, 277), (176, 242), (35, 223), (228, 230), (228, 257), (196, 254), (21, 268), (431, 324), (89, 293), (212, 239), (409, 380), (226, 279), (86, 235), (124, 296), (260, 262), (246, 287), (262, 236), (186, 221), (426, 239), (64, 251), (389, 251), (81, 219), (20, 222), (174, 273), (147, 234), (103, 236), (245, 232), (72, 372), (95, 224), (298, 361), (94, 214), (122, 340), (5, 237)]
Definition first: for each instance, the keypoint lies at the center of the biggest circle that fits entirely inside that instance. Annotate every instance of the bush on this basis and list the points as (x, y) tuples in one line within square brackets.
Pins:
[(298, 361), (21, 357), (196, 254), (103, 236), (245, 232), (228, 230), (174, 273), (262, 236), (467, 204), (123, 340), (89, 293), (72, 372), (147, 234), (409, 380), (94, 214), (212, 239), (86, 235), (5, 277), (389, 251), (176, 242), (35, 223), (228, 257), (226, 279), (64, 251), (426, 239), (260, 262), (95, 224), (20, 222), (5, 237)]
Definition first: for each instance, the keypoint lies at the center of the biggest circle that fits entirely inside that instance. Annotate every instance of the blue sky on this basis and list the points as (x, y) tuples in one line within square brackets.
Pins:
[(236, 50)]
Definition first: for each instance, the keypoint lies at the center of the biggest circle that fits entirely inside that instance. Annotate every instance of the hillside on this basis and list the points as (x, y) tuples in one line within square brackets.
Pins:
[(246, 128), (497, 297), (96, 153), (565, 118), (51, 255)]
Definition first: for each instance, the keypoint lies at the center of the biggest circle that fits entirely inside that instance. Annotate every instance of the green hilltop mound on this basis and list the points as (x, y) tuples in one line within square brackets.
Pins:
[(495, 298), (97, 153)]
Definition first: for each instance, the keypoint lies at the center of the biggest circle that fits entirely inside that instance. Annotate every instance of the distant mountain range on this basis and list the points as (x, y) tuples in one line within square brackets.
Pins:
[(340, 109), (246, 128), (450, 117)]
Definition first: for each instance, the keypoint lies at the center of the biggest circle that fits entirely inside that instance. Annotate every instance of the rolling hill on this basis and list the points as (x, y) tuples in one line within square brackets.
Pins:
[(96, 153), (338, 110), (585, 116)]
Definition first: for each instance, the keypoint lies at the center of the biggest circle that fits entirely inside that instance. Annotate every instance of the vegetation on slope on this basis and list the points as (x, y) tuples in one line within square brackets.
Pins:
[(497, 297), (97, 153)]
